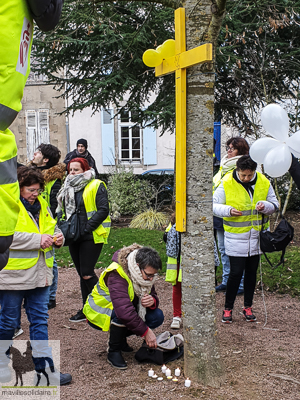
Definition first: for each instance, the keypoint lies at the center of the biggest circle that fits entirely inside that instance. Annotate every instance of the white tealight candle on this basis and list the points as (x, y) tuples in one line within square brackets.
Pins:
[(163, 369), (177, 372), (168, 372), (150, 372), (160, 378), (187, 383), (154, 376)]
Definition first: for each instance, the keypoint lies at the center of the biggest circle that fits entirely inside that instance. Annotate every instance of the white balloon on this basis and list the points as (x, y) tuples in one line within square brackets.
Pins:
[(275, 121), (261, 147), (278, 161), (296, 154), (294, 142)]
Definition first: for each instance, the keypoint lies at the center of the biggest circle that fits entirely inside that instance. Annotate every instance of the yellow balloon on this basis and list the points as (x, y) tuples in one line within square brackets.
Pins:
[(159, 48), (168, 48), (152, 58)]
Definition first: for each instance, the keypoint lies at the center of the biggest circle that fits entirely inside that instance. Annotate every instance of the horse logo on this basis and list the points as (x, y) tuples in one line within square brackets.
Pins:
[(23, 363)]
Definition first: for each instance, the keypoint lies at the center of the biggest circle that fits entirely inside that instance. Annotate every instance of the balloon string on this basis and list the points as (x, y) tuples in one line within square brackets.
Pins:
[(261, 279)]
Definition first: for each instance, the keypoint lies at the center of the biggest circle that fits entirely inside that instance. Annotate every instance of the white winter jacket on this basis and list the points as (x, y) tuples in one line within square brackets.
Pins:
[(242, 244)]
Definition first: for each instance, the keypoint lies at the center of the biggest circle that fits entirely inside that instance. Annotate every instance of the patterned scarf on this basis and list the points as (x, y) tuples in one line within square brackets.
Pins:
[(140, 285), (72, 184)]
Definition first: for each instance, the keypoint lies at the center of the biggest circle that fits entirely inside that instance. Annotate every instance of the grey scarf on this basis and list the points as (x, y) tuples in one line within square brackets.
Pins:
[(72, 184)]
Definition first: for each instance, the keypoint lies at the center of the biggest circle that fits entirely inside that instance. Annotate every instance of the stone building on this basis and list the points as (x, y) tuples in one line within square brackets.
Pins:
[(112, 140)]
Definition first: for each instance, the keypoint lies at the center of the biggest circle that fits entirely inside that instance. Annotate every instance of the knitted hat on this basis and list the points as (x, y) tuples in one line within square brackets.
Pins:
[(83, 142)]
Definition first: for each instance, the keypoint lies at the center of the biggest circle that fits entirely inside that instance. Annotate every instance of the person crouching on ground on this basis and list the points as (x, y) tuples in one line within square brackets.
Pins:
[(125, 302), (241, 199)]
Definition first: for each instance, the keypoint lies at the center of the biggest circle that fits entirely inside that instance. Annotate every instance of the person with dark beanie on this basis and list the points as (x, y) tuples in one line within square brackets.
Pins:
[(241, 199), (82, 152)]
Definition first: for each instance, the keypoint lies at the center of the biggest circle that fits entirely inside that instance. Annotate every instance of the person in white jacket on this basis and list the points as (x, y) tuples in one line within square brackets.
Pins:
[(241, 199)]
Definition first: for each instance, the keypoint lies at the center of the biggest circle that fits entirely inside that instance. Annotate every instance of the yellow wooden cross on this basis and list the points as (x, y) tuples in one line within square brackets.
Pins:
[(178, 64)]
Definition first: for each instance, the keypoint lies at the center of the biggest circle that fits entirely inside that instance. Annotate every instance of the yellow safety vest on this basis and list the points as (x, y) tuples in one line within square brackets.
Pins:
[(16, 33), (238, 197), (171, 272), (98, 307), (89, 197), (25, 259), (47, 190), (9, 186)]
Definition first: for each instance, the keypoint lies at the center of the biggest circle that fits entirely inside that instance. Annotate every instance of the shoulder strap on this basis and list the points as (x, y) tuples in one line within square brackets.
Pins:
[(79, 203), (281, 261)]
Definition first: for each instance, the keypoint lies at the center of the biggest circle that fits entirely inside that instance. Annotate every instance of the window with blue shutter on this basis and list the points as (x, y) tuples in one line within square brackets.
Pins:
[(130, 138)]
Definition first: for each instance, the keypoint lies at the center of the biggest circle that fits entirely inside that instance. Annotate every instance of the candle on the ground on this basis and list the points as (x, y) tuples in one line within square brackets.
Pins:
[(163, 369), (168, 372), (150, 372), (177, 372), (187, 383)]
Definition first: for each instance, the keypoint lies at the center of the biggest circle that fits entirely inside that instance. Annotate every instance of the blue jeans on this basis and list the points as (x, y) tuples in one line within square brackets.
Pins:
[(154, 318), (36, 307), (225, 260), (53, 287)]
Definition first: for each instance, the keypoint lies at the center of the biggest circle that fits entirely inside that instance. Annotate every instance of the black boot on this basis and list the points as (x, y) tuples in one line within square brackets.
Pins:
[(126, 348), (116, 342)]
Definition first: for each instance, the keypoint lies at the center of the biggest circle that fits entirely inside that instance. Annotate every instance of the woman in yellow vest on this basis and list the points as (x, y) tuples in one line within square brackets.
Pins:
[(28, 273), (236, 147), (82, 192), (241, 199), (124, 301)]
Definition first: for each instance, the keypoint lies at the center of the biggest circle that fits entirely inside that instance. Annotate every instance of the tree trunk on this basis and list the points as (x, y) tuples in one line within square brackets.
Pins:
[(202, 359)]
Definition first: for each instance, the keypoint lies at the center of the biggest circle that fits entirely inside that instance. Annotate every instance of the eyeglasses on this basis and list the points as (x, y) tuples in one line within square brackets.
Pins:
[(38, 191), (230, 149), (149, 276)]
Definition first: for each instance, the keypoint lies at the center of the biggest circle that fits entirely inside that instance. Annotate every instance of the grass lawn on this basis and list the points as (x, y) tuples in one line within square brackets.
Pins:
[(118, 238), (284, 279)]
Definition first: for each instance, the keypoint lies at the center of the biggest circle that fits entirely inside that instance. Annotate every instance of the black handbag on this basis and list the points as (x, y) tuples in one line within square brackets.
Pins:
[(70, 228), (277, 240), (169, 348)]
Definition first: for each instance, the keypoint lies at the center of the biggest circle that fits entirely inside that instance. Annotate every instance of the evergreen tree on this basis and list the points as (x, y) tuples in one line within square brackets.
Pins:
[(258, 59), (95, 54)]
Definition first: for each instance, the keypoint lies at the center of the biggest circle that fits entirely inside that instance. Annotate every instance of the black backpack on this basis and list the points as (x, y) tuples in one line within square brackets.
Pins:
[(277, 240)]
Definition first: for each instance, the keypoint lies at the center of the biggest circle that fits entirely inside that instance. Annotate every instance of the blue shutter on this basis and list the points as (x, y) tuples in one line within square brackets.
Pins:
[(217, 137), (149, 146), (108, 137)]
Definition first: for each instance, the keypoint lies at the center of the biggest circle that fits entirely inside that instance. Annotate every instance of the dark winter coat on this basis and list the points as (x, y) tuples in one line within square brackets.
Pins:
[(295, 171), (126, 310), (89, 158)]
